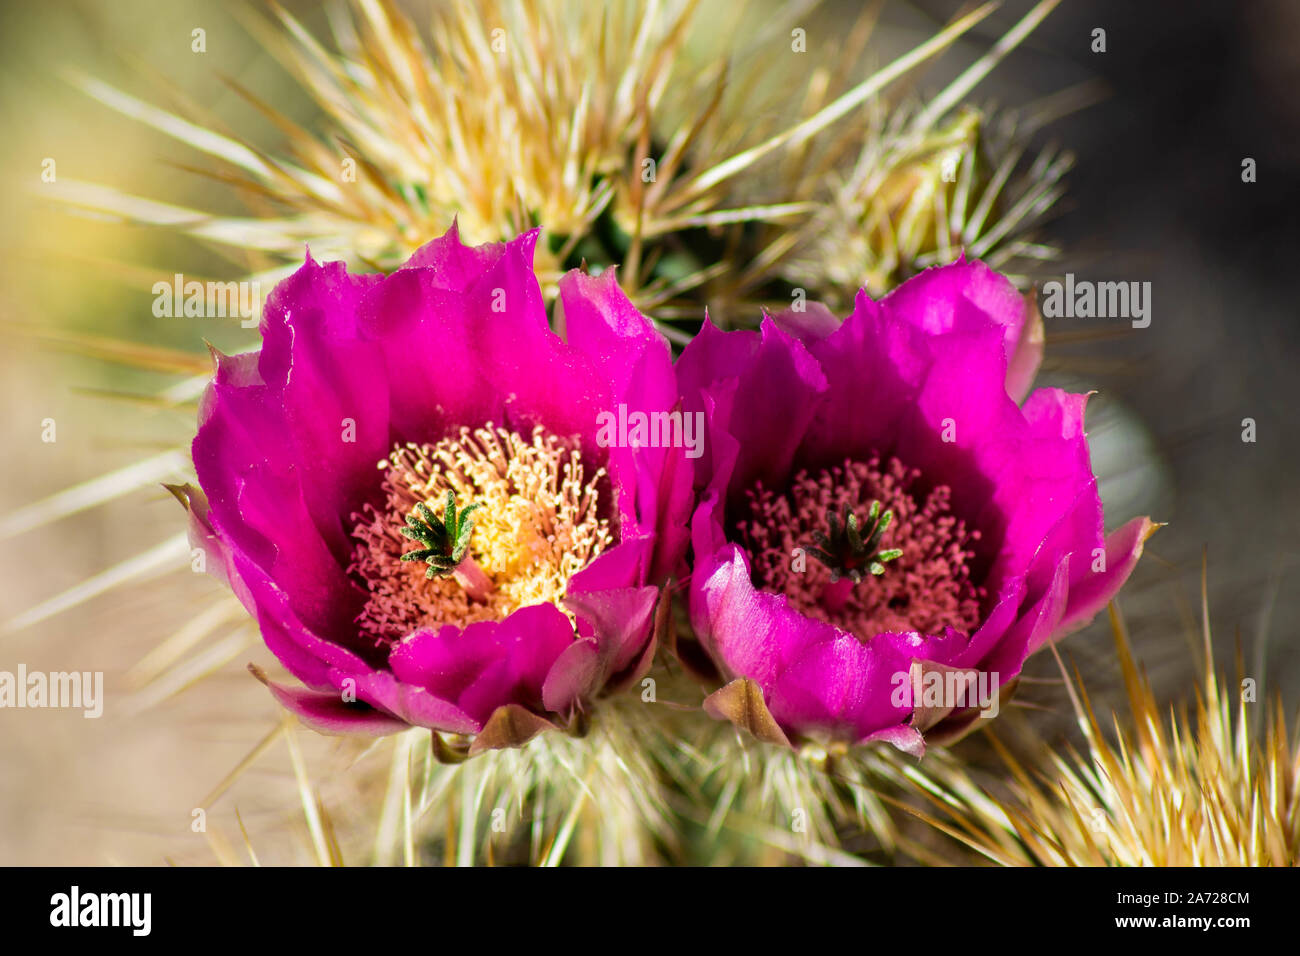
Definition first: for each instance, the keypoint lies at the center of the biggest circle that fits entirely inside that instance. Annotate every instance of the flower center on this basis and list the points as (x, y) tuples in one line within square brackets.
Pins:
[(827, 546), (535, 523)]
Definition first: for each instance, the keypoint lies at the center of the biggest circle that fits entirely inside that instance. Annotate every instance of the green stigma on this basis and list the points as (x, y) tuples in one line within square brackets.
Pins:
[(445, 541), (849, 549)]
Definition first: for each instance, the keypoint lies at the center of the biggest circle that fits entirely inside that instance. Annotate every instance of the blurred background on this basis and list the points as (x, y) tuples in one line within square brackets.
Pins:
[(1183, 93)]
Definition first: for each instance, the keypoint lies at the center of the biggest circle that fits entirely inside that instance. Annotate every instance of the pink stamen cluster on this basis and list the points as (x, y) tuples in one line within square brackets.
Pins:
[(926, 589)]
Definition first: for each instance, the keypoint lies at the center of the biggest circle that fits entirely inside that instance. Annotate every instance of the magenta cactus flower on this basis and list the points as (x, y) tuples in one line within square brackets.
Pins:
[(405, 486), (878, 515)]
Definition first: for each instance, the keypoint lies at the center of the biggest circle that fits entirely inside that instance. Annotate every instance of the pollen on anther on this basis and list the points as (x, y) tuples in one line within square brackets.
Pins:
[(541, 522)]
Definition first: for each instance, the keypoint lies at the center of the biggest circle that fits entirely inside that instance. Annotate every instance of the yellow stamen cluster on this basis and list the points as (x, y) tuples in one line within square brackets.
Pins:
[(539, 525)]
